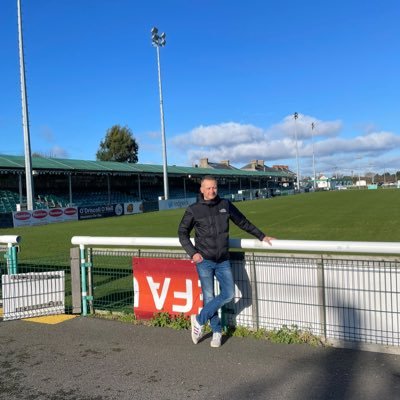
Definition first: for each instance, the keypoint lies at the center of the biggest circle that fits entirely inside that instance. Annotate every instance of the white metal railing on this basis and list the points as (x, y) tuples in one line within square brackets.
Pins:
[(293, 245), (343, 298), (11, 253), (10, 239)]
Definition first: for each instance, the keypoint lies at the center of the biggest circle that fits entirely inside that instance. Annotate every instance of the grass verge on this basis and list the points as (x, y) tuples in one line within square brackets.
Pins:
[(283, 335)]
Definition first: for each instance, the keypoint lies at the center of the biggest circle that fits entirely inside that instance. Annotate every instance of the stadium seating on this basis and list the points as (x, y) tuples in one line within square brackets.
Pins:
[(98, 198), (8, 200)]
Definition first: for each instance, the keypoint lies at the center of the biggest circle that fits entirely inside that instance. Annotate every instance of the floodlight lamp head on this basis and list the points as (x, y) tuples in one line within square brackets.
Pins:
[(154, 31), (296, 115), (162, 36)]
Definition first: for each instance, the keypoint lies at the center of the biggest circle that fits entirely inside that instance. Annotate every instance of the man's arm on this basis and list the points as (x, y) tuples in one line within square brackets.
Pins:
[(243, 223), (185, 227)]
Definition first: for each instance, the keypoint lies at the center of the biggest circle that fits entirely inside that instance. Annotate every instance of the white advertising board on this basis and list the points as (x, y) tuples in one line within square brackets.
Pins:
[(175, 203), (133, 208), (45, 216)]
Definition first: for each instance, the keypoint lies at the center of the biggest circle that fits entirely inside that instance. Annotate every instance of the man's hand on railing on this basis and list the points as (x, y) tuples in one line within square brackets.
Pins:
[(268, 239)]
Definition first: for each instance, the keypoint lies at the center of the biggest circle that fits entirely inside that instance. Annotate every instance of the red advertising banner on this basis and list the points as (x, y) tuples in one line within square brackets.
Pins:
[(165, 285)]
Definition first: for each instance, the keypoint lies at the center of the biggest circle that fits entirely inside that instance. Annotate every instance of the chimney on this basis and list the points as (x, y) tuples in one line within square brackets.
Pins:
[(204, 163), (225, 162)]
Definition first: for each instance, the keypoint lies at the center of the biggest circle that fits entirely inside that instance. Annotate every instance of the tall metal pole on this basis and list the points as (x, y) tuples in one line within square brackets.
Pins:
[(359, 172), (371, 166), (313, 155), (25, 120), (295, 116), (159, 40), (384, 175), (164, 145)]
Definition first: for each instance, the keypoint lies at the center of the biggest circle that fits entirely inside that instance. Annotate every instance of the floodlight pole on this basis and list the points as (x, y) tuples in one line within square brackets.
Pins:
[(157, 41), (25, 120), (295, 116), (313, 155)]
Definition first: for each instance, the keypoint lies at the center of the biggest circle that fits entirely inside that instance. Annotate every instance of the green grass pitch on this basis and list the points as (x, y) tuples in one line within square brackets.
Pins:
[(351, 215)]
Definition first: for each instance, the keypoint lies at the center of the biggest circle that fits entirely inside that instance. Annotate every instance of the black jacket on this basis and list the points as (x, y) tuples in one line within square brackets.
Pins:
[(210, 220)]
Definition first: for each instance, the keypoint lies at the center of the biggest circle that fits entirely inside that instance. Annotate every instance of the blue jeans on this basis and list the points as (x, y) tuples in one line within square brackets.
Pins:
[(222, 271)]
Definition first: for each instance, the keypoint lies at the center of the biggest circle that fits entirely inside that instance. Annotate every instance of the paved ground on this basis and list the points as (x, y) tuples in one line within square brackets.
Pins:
[(94, 359)]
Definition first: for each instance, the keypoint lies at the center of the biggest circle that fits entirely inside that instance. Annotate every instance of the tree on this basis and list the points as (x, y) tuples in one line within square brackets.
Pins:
[(118, 145)]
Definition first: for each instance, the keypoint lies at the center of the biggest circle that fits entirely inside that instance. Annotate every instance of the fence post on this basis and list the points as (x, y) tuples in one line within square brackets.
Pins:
[(254, 294), (83, 279), (75, 280), (321, 293), (90, 280), (11, 256)]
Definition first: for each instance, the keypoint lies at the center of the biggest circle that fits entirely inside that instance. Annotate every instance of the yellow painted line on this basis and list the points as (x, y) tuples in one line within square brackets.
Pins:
[(50, 319)]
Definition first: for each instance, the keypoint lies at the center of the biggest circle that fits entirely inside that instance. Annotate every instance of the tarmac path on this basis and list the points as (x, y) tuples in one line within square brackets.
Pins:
[(97, 359)]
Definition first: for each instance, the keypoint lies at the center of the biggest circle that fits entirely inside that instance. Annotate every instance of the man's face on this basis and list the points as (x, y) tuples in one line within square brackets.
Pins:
[(209, 189)]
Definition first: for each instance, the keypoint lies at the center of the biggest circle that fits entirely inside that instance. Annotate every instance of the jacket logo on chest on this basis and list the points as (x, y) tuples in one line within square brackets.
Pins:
[(222, 210)]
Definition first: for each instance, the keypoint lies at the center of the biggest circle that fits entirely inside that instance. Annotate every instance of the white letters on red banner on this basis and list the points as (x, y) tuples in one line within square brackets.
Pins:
[(165, 285)]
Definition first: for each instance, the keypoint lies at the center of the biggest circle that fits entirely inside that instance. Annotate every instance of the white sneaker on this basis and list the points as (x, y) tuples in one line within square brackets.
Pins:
[(197, 329), (216, 339)]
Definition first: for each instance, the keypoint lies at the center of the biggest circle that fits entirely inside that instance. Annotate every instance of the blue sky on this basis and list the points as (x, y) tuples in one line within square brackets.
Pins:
[(233, 75)]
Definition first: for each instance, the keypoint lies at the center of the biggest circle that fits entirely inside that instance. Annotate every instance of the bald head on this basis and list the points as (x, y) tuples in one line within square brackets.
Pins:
[(209, 187)]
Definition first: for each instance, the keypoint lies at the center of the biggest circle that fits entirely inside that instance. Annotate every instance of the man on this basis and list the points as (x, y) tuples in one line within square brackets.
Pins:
[(209, 217)]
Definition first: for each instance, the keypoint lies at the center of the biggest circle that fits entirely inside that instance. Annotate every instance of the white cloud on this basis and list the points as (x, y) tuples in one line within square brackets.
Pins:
[(153, 135), (241, 143), (48, 139), (47, 134), (376, 142), (349, 155), (242, 153), (303, 127), (224, 134), (58, 152), (53, 152)]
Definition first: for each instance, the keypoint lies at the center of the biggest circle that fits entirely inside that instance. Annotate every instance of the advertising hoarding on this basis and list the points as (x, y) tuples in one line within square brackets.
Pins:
[(44, 216), (165, 285)]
